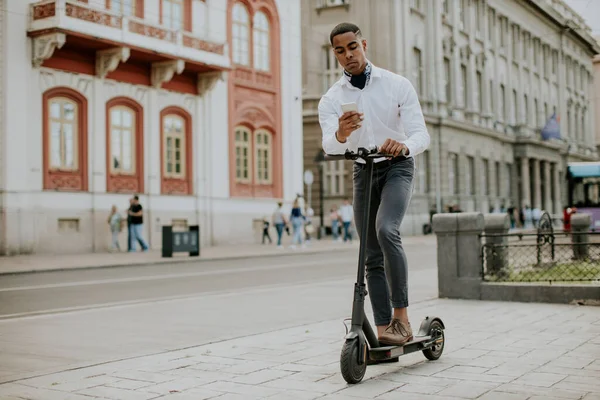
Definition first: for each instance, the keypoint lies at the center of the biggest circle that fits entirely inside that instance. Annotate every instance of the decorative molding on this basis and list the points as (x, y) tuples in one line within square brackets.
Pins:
[(44, 46), (108, 60), (45, 10), (93, 14), (164, 71), (208, 80)]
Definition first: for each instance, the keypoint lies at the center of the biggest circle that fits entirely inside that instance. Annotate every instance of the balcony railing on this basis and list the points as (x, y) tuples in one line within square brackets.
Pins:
[(75, 16)]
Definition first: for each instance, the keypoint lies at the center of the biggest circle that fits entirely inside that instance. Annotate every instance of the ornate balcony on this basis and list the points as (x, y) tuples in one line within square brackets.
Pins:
[(53, 21)]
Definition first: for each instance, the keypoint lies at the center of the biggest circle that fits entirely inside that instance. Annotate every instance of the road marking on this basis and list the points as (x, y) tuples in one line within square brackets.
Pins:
[(161, 277)]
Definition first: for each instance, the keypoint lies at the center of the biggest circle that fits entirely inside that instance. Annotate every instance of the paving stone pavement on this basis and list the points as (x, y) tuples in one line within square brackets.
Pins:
[(494, 350)]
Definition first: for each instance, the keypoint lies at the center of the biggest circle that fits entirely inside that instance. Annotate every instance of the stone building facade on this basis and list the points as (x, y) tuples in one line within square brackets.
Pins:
[(2, 130), (490, 74), (596, 94), (191, 104)]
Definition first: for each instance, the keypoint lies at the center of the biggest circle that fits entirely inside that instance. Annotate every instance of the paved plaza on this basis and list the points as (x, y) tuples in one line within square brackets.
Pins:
[(494, 350)]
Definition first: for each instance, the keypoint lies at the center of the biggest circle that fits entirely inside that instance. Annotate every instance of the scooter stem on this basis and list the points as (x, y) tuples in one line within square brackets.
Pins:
[(360, 291), (364, 229)]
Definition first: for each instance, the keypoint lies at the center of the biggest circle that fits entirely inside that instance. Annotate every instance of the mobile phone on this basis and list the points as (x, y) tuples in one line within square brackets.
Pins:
[(348, 107)]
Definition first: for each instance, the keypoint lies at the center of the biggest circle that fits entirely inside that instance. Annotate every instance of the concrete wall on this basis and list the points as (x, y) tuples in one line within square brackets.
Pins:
[(460, 264)]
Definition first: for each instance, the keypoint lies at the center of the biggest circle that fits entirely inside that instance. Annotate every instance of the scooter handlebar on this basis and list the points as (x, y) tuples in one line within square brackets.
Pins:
[(361, 153)]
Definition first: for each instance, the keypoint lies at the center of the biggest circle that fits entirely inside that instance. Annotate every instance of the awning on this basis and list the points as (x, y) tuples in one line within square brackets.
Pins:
[(584, 170)]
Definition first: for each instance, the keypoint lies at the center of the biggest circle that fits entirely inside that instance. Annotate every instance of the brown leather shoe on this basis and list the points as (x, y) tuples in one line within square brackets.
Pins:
[(396, 334)]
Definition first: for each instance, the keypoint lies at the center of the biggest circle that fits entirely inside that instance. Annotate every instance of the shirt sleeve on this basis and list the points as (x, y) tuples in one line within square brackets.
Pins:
[(412, 118), (329, 121)]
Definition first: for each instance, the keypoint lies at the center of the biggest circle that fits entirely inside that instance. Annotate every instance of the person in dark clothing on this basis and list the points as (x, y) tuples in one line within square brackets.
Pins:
[(136, 226)]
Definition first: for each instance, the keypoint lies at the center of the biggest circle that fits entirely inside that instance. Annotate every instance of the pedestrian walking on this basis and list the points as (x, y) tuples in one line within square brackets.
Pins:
[(297, 220), (115, 223), (137, 224), (280, 222)]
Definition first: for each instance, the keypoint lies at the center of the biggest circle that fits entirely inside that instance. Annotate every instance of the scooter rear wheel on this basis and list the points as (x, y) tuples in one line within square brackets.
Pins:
[(435, 351), (351, 370)]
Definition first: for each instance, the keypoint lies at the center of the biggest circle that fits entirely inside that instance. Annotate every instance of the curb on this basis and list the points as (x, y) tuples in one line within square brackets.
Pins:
[(170, 261)]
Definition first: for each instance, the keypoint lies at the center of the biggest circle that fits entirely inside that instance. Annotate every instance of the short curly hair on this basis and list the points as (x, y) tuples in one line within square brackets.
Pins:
[(342, 28)]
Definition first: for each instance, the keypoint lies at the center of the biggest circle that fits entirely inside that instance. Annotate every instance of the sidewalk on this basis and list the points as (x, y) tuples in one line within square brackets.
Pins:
[(43, 262), (494, 350)]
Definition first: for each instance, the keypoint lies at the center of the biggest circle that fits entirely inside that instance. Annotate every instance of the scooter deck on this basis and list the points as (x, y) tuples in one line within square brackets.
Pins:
[(386, 352)]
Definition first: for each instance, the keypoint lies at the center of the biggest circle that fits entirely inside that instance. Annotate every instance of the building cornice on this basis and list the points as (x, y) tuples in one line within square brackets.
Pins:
[(567, 25)]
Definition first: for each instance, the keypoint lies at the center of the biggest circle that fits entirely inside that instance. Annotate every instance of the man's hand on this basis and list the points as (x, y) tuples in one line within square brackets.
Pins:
[(393, 148), (348, 123)]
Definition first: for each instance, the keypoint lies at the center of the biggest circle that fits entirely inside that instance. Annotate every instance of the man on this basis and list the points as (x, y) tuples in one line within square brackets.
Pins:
[(280, 223), (346, 216), (389, 117), (137, 224)]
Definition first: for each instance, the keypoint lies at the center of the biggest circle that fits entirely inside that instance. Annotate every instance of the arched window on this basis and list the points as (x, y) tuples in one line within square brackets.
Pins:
[(243, 155), (176, 148), (174, 145), (65, 139), (64, 129), (262, 57), (263, 170), (124, 146), (122, 140), (241, 34)]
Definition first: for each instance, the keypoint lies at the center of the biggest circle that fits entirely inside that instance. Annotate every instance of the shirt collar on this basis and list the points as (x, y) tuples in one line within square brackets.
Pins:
[(370, 70)]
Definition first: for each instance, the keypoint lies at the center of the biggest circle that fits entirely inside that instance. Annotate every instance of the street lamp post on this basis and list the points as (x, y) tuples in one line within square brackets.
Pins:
[(320, 160)]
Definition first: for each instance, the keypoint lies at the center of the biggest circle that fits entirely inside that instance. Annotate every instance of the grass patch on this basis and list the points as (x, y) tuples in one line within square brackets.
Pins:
[(580, 272)]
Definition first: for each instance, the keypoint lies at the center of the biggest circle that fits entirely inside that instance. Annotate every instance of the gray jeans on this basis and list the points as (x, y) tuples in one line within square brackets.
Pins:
[(391, 191)]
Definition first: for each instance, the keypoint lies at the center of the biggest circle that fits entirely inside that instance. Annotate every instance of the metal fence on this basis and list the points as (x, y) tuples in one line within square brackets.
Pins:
[(544, 256)]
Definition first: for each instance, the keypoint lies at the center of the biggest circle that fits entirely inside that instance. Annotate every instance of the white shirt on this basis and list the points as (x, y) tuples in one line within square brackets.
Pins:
[(391, 110), (346, 213)]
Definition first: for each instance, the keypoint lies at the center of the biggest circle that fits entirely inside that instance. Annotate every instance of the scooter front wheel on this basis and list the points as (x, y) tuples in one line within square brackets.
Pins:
[(435, 351), (352, 371)]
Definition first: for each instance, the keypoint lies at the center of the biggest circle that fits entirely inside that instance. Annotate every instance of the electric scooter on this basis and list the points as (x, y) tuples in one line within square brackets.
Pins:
[(361, 346)]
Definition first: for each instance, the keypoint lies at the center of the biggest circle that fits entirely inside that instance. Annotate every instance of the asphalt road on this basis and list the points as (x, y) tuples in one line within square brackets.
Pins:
[(66, 319)]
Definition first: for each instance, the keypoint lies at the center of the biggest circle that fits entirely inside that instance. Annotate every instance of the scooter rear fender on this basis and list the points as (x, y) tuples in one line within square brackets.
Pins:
[(426, 324)]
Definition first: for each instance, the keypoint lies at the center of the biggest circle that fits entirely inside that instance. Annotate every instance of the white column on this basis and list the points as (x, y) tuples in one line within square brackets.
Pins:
[(97, 168), (525, 187), (593, 97), (485, 74), (547, 187), (197, 156), (403, 47), (97, 139), (562, 89), (455, 61), (152, 164), (399, 61), (436, 71), (557, 189), (152, 147), (537, 192)]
